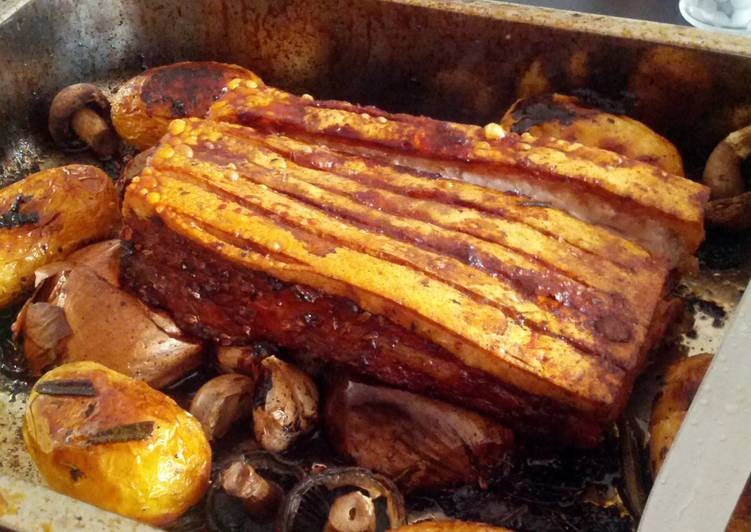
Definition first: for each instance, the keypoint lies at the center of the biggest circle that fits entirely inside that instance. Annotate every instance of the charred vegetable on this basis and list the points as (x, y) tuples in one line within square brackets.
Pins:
[(79, 312), (221, 402), (286, 405), (418, 441), (114, 442), (46, 216), (346, 499), (247, 494), (568, 118), (144, 106)]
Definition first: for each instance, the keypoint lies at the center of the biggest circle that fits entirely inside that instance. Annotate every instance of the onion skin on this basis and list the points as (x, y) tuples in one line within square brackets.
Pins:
[(107, 324), (420, 442), (154, 479)]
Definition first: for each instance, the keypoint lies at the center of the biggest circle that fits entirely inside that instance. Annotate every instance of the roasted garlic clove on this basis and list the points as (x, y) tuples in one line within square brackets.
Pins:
[(286, 405), (222, 401)]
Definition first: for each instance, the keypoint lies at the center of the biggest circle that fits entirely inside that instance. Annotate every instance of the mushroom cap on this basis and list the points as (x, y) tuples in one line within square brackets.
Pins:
[(65, 104)]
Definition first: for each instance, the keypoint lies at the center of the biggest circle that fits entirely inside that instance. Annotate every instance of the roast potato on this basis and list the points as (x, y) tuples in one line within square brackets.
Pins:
[(46, 216), (114, 442), (681, 382), (80, 312), (145, 105), (566, 117)]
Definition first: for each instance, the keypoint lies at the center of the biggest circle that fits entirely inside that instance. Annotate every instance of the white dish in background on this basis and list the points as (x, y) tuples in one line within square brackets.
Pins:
[(692, 11)]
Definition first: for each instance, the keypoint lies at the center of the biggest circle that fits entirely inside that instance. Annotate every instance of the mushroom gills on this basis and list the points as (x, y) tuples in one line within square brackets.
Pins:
[(225, 512), (342, 499)]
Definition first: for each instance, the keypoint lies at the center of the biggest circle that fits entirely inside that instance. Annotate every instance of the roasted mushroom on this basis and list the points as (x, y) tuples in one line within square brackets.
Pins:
[(353, 512), (248, 492), (222, 401), (286, 405), (260, 497), (682, 381), (722, 173), (79, 312), (79, 119), (420, 442), (348, 499), (730, 204), (113, 441)]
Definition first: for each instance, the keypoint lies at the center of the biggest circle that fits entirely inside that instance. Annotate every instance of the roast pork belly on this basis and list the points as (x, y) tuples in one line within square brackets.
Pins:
[(663, 212), (442, 287)]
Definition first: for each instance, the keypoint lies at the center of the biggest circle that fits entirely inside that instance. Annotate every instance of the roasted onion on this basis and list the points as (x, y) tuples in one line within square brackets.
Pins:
[(79, 312)]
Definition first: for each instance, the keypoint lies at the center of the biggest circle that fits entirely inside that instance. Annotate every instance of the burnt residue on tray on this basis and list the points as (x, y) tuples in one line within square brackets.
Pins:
[(547, 490), (12, 359), (725, 250), (696, 304)]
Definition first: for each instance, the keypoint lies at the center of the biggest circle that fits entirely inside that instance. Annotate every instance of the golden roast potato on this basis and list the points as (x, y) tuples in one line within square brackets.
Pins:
[(114, 442), (46, 216), (145, 105)]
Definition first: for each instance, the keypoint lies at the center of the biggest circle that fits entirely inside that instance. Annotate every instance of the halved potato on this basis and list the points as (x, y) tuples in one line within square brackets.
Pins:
[(49, 214), (114, 442), (568, 118), (145, 104)]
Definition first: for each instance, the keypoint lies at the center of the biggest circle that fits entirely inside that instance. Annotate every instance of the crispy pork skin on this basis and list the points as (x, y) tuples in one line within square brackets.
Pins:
[(443, 287), (663, 212)]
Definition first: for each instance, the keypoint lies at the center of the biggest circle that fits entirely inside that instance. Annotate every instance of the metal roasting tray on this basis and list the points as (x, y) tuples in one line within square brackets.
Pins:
[(457, 60)]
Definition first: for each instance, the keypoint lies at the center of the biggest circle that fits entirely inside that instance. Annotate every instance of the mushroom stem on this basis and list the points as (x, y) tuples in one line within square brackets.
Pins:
[(261, 497), (79, 118), (94, 131), (353, 512)]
